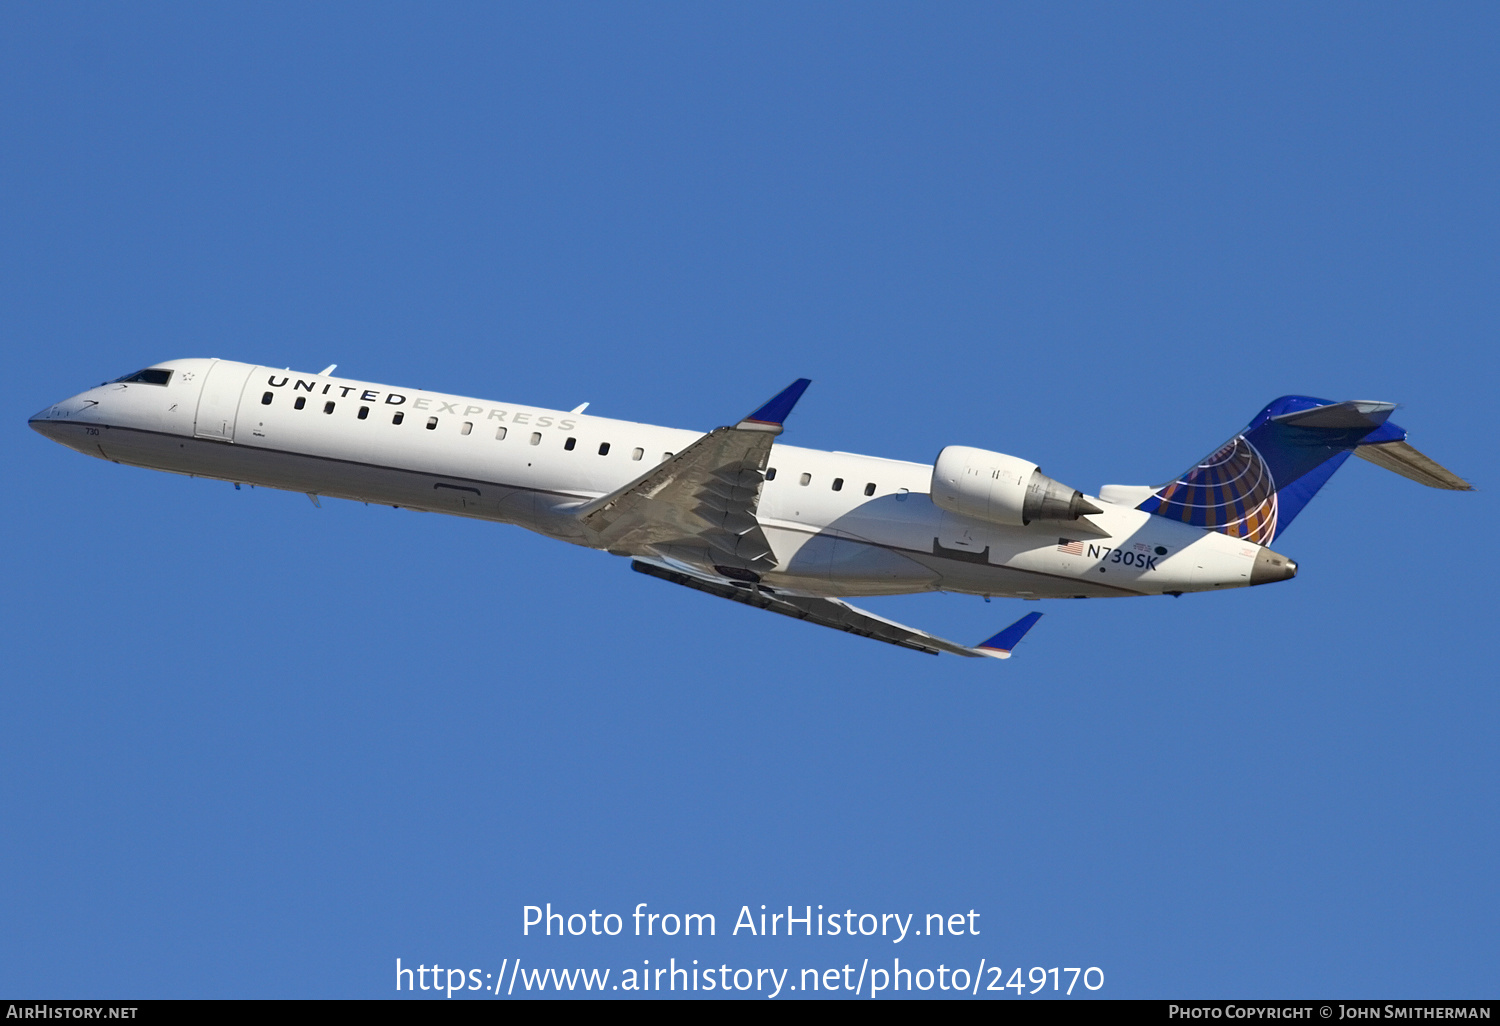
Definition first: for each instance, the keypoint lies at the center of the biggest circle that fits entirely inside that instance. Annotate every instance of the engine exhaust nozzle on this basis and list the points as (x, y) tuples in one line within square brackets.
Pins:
[(1047, 499)]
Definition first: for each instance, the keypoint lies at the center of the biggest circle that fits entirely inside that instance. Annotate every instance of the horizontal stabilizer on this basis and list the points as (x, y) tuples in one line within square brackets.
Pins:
[(1366, 414), (1401, 458)]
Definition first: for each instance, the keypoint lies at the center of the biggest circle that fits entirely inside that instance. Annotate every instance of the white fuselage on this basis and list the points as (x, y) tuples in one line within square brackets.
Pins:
[(839, 524)]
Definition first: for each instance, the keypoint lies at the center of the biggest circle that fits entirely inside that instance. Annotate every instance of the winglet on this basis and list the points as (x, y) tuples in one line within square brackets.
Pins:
[(771, 416), (1000, 645)]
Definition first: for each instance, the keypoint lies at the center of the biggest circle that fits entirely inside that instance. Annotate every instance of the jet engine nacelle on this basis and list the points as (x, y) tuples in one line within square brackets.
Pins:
[(1002, 489)]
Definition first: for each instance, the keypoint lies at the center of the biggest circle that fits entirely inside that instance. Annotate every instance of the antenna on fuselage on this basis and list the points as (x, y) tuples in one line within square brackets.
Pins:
[(327, 370), (579, 408)]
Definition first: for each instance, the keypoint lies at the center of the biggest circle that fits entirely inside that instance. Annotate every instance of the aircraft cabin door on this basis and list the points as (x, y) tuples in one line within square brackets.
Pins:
[(219, 402)]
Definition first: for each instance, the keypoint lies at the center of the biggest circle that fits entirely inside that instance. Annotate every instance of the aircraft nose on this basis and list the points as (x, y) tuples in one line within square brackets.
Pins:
[(1271, 567), (42, 422), (55, 420)]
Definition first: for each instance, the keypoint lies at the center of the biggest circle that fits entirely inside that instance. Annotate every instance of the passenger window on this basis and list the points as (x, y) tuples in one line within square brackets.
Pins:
[(637, 453), (771, 474), (328, 407), (265, 400), (500, 434), (364, 412), (570, 443), (431, 423), (398, 418), (301, 402), (603, 448), (870, 488), (536, 438), (806, 479), (468, 426), (838, 484)]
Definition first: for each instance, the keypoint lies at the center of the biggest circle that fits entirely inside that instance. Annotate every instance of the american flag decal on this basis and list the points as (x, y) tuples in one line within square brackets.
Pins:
[(1072, 548)]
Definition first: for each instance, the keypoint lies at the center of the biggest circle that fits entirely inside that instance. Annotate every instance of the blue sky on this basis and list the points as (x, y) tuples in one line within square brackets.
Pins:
[(254, 748)]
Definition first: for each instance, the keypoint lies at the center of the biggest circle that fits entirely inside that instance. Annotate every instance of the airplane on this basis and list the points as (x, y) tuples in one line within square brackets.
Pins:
[(733, 512)]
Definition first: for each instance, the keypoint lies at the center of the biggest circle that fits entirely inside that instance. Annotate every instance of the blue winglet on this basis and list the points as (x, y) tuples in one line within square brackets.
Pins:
[(774, 413), (1001, 644)]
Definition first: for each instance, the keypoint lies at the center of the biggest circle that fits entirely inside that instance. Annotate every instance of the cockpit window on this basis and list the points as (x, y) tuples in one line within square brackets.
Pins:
[(149, 376)]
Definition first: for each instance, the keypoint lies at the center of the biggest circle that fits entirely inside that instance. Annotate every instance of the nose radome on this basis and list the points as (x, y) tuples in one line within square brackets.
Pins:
[(1271, 567), (46, 424)]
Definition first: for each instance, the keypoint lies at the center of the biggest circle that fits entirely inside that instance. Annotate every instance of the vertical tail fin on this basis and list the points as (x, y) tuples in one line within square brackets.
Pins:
[(1256, 483)]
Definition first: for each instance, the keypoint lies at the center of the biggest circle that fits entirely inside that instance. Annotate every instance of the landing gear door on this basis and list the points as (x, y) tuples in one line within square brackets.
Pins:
[(219, 402)]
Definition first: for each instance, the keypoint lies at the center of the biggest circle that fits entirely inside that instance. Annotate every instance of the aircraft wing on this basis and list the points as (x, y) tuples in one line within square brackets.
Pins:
[(830, 612), (705, 495)]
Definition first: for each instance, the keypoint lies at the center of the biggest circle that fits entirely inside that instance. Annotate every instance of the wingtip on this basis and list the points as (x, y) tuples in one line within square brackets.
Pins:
[(1001, 645), (774, 413)]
